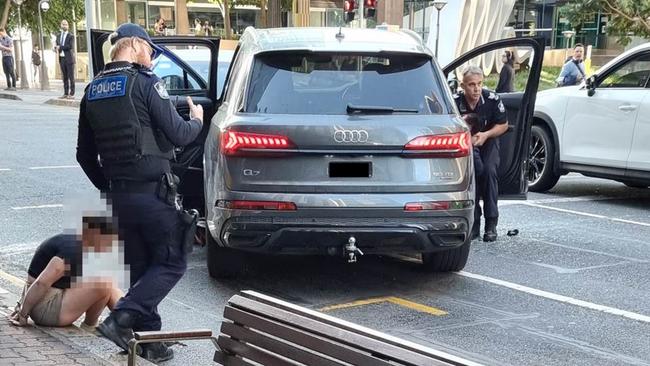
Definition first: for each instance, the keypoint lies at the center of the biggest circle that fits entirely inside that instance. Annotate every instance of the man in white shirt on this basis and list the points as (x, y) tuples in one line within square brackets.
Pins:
[(65, 49)]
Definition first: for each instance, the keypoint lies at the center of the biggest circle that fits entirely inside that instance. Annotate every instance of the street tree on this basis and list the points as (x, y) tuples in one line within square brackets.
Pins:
[(626, 18), (71, 10)]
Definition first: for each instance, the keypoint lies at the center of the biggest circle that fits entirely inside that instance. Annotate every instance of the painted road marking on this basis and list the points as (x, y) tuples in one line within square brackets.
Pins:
[(39, 206), (595, 216), (11, 278), (391, 299), (53, 167), (5, 170), (3, 291), (557, 297)]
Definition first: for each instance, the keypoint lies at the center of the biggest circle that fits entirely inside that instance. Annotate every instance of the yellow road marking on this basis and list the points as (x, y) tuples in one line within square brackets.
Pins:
[(391, 299), (11, 278)]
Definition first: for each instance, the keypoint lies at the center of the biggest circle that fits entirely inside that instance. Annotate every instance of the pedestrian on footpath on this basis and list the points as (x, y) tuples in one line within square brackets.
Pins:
[(492, 123), (65, 49), (36, 63), (507, 75), (127, 119), (56, 292), (573, 71), (7, 48)]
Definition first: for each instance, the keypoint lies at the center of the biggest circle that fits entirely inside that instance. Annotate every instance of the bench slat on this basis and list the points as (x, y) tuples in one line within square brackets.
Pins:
[(143, 336), (370, 345), (305, 339), (342, 324), (254, 354), (285, 349)]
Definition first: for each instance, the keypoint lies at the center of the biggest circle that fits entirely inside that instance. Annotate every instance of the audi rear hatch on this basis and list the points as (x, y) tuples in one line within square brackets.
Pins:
[(347, 123)]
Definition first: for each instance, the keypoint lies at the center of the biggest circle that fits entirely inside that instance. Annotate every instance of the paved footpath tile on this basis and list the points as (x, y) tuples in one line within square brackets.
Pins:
[(32, 346)]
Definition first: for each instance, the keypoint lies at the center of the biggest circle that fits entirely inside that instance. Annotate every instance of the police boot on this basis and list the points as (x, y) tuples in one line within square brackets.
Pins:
[(476, 230), (155, 352), (490, 229), (118, 327)]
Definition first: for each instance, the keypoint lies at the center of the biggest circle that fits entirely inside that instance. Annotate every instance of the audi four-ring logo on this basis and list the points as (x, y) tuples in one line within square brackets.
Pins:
[(350, 136)]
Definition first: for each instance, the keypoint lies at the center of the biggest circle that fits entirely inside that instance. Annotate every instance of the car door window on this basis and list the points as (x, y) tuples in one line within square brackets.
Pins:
[(632, 74), (178, 79)]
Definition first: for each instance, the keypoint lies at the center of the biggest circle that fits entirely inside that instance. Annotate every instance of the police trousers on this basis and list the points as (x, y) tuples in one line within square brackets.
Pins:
[(487, 181), (152, 234)]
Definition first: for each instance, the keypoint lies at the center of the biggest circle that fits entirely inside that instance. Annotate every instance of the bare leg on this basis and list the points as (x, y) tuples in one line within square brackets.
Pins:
[(77, 301), (93, 312), (116, 294)]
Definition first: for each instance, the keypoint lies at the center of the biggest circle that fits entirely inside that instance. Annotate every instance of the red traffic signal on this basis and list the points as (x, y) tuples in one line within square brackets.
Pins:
[(349, 6), (371, 3)]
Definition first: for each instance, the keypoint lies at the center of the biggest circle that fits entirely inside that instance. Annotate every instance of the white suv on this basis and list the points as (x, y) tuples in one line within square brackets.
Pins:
[(600, 128)]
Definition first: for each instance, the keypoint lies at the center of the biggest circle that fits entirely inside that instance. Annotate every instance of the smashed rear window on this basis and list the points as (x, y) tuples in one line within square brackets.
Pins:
[(327, 83)]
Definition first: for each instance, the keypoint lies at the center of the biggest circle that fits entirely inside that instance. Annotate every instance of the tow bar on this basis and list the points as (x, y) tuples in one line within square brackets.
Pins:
[(350, 250)]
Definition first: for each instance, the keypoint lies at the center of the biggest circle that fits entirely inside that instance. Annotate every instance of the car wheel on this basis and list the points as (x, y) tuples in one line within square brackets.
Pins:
[(541, 157), (448, 260), (636, 185), (223, 262)]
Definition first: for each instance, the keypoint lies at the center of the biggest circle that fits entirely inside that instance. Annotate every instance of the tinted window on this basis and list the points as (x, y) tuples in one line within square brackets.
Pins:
[(325, 83), (633, 74)]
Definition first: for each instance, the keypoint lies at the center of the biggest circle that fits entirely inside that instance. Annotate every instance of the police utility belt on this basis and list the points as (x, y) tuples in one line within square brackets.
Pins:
[(167, 191)]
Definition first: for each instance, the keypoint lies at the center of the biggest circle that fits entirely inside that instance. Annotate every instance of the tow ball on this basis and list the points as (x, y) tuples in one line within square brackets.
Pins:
[(351, 250)]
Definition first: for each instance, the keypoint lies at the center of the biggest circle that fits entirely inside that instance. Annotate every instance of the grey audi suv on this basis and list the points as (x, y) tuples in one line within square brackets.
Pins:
[(340, 142)]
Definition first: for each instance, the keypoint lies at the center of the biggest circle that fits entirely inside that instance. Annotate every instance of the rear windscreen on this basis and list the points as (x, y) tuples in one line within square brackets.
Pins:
[(327, 83)]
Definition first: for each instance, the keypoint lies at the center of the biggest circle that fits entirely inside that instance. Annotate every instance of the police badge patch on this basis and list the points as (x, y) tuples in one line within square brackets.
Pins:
[(160, 89)]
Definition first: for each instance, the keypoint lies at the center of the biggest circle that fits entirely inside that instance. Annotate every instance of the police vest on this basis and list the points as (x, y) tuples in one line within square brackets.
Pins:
[(119, 135)]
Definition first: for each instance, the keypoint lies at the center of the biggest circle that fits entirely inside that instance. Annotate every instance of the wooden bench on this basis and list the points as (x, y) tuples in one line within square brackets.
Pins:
[(259, 329)]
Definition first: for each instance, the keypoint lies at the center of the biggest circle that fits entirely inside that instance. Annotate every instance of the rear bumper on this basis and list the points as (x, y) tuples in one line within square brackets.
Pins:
[(328, 235)]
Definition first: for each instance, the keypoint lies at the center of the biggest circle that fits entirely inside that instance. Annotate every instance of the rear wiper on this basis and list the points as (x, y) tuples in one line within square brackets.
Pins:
[(375, 109)]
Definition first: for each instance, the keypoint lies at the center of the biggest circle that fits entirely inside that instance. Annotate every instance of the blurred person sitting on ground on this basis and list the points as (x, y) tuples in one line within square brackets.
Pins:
[(573, 71), (507, 75), (57, 292)]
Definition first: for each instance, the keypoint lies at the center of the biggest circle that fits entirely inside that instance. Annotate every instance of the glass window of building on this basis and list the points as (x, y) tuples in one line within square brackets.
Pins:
[(164, 9)]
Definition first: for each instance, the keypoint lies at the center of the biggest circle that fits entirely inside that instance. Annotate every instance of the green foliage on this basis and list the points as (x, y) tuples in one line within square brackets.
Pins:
[(546, 79), (59, 10), (626, 17)]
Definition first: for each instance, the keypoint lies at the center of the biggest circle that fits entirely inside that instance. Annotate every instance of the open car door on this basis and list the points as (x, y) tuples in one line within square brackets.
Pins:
[(188, 66), (519, 103)]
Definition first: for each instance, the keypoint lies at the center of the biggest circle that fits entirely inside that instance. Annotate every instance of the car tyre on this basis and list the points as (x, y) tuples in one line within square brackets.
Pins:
[(541, 158), (451, 260), (223, 263)]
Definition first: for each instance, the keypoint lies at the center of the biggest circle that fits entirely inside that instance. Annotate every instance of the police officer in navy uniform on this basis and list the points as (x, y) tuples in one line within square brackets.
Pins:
[(128, 128), (492, 121)]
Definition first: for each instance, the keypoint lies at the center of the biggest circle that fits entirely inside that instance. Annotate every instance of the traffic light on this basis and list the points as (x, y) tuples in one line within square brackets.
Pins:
[(348, 8), (370, 6)]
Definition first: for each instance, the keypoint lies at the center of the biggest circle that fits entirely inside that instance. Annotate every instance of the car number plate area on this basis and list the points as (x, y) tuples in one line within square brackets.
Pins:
[(350, 169)]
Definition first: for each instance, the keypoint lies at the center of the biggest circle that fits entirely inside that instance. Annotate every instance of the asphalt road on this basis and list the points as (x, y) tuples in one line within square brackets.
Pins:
[(573, 288)]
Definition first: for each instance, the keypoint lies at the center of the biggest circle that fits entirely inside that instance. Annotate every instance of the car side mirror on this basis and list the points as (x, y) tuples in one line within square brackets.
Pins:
[(591, 86)]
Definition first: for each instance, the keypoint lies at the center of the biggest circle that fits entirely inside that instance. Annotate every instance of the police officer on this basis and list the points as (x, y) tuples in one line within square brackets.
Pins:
[(127, 120), (492, 123)]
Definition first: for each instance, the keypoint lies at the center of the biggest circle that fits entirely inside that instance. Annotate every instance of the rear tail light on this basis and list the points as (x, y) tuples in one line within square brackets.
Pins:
[(233, 142), (257, 205), (438, 205), (453, 145)]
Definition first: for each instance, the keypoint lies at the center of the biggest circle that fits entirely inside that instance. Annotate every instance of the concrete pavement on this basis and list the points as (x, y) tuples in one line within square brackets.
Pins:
[(51, 96)]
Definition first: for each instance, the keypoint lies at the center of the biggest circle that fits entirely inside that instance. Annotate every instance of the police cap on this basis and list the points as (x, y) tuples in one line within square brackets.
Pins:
[(133, 30)]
